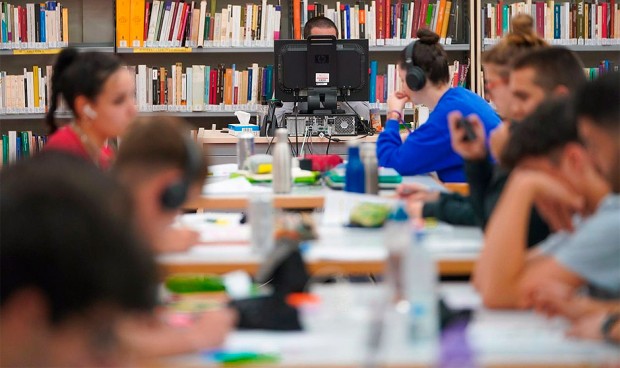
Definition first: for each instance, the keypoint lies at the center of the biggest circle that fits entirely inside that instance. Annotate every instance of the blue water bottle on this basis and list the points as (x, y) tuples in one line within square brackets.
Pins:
[(355, 179)]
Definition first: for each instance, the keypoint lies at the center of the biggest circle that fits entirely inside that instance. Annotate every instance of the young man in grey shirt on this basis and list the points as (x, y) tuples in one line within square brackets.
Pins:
[(322, 26), (553, 170)]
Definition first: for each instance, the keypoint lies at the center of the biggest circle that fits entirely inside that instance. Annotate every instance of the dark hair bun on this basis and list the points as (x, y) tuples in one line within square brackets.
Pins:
[(427, 36), (64, 60)]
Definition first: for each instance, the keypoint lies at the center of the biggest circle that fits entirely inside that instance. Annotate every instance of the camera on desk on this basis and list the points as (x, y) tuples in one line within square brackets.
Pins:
[(313, 125)]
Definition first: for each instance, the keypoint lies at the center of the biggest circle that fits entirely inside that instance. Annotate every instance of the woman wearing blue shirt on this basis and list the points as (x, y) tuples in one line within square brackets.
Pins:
[(423, 69)]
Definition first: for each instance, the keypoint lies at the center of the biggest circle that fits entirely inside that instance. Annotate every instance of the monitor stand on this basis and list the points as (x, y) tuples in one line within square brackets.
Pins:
[(323, 101)]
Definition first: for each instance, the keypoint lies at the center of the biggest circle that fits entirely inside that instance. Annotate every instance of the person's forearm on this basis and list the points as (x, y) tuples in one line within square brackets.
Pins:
[(502, 260)]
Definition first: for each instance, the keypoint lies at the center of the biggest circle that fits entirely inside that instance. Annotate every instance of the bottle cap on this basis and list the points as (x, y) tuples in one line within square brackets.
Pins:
[(398, 213)]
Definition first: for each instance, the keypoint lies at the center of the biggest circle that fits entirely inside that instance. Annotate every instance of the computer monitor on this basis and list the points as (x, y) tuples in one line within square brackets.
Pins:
[(321, 70)]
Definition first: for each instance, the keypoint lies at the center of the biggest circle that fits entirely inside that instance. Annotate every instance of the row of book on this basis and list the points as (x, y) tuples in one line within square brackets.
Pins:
[(190, 88), (386, 22), (561, 22), (190, 24), (382, 85), (195, 87), (17, 145), (605, 66), (34, 25), (27, 92)]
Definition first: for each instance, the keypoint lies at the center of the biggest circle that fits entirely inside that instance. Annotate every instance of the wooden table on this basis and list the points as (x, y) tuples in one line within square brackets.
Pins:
[(344, 251), (302, 197)]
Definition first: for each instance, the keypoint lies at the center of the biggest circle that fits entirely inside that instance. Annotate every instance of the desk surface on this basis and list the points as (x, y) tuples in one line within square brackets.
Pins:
[(217, 137), (301, 197), (339, 250), (337, 333)]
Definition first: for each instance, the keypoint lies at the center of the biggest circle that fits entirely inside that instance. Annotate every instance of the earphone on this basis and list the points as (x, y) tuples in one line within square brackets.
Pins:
[(88, 111), (415, 79), (175, 194)]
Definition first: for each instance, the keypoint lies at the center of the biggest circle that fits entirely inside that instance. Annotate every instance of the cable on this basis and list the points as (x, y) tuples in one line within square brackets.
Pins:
[(368, 130), (329, 141), (270, 142), (296, 112), (303, 143)]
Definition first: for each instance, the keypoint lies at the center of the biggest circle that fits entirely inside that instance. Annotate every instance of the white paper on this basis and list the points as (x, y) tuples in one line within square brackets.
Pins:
[(233, 186)]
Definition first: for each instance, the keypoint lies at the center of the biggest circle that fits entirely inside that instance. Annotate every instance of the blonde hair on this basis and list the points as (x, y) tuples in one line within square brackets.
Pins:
[(519, 41)]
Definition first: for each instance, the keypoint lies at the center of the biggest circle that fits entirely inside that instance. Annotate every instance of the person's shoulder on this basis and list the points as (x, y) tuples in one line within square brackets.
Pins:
[(63, 136)]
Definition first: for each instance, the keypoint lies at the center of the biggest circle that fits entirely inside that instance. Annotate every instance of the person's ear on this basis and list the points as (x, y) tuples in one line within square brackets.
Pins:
[(575, 157), (561, 90), (84, 108)]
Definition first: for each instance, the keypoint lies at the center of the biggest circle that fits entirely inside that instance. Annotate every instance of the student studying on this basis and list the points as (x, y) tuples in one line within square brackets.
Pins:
[(114, 268), (423, 71)]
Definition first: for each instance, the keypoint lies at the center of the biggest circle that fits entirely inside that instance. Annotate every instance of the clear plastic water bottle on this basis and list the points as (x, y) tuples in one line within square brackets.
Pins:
[(245, 148), (420, 278), (397, 238), (354, 179), (371, 169), (281, 170), (261, 216)]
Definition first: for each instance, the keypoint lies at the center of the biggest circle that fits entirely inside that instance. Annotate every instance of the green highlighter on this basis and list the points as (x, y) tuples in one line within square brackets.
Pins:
[(240, 357)]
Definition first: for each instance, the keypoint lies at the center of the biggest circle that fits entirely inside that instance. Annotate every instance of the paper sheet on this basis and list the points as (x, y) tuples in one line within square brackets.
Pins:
[(233, 186)]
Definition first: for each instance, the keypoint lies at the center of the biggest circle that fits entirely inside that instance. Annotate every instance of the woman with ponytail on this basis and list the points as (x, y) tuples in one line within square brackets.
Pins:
[(423, 70), (100, 94)]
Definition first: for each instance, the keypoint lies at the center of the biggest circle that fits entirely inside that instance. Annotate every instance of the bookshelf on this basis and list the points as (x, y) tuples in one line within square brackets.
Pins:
[(85, 34), (92, 26), (563, 23)]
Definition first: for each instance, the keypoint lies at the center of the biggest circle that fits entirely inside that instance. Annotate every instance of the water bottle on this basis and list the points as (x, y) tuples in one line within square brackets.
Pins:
[(261, 216), (281, 170), (245, 148), (371, 169), (397, 237), (354, 179), (420, 278)]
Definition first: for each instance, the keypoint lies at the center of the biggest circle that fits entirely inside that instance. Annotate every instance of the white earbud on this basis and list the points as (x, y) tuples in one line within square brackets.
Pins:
[(88, 111)]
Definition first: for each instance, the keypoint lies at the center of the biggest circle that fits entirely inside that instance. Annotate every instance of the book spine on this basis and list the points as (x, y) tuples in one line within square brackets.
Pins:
[(136, 23), (123, 15)]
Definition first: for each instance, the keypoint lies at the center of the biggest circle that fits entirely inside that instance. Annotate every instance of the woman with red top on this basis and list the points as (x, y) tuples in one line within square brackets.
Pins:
[(100, 93)]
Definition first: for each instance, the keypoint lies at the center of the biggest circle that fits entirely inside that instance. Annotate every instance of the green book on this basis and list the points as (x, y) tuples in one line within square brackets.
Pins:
[(429, 15), (5, 149), (25, 144), (207, 26)]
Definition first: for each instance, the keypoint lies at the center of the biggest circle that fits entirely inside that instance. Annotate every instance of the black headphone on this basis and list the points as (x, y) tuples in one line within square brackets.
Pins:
[(176, 193), (416, 79)]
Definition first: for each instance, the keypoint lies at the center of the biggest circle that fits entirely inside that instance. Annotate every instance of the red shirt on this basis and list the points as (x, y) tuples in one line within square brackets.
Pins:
[(67, 140)]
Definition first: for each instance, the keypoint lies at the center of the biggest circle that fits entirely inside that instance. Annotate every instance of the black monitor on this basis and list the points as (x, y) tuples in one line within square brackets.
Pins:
[(322, 70)]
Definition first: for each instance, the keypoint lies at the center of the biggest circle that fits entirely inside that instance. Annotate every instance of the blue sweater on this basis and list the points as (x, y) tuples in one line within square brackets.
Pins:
[(428, 148)]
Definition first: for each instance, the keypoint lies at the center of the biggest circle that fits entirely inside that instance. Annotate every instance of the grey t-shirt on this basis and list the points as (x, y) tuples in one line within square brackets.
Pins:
[(593, 250), (362, 108)]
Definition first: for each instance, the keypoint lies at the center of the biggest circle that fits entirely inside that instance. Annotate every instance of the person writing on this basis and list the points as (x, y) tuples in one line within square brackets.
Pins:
[(423, 70), (161, 167), (322, 26), (100, 94)]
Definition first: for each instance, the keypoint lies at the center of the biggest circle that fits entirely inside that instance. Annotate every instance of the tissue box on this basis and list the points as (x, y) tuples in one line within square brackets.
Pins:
[(236, 129)]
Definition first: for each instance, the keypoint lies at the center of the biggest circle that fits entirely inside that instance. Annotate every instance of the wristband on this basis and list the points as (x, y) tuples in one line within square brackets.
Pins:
[(608, 323), (400, 116)]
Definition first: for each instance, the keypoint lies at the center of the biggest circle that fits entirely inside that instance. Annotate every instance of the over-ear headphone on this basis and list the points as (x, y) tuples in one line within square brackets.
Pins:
[(176, 193), (415, 79), (88, 111)]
